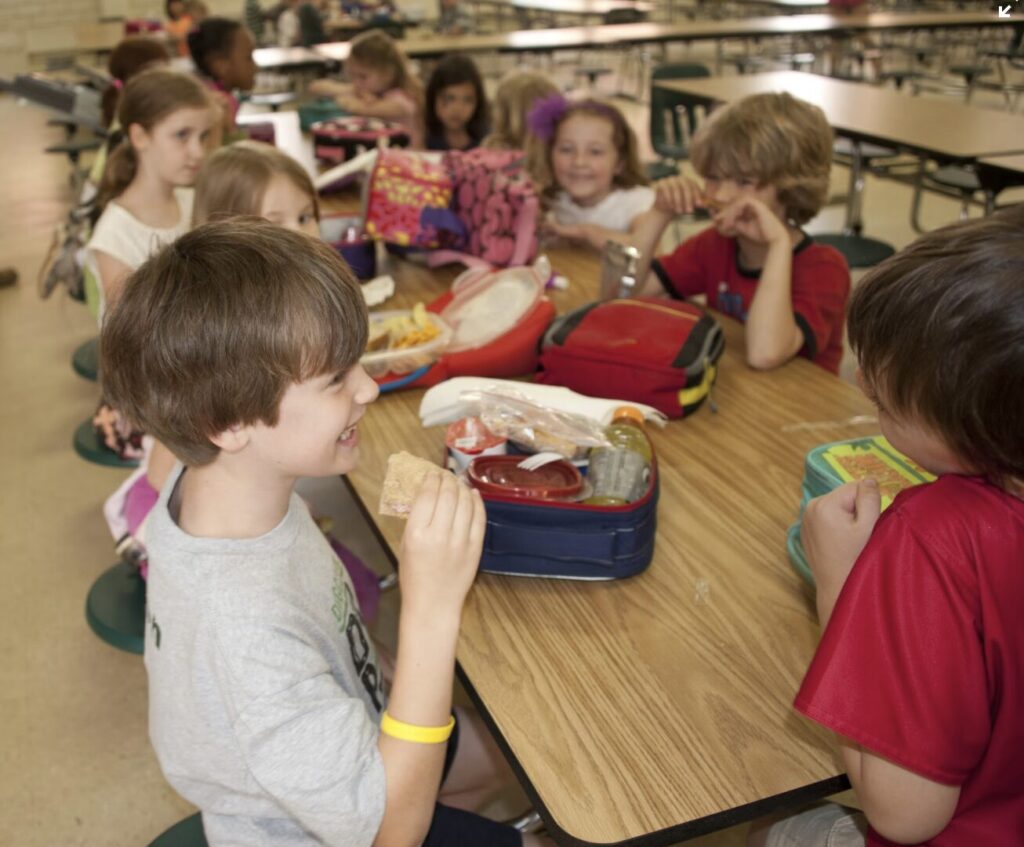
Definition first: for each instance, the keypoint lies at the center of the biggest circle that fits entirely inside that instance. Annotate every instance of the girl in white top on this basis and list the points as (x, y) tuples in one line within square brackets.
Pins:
[(146, 193), (589, 173)]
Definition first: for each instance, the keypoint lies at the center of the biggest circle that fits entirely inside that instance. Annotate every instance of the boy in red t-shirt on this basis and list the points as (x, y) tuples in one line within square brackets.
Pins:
[(920, 670), (765, 161)]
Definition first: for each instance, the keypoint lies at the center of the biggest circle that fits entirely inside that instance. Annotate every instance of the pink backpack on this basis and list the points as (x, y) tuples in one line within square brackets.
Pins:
[(496, 203)]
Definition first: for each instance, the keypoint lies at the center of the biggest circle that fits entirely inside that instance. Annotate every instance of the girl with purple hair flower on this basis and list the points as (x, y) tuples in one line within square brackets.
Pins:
[(589, 174)]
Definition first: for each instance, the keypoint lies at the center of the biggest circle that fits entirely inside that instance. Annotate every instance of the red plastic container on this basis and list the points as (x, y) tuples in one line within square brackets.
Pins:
[(502, 476)]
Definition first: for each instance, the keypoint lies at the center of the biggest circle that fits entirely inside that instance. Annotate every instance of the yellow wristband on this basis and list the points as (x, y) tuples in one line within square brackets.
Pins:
[(416, 734)]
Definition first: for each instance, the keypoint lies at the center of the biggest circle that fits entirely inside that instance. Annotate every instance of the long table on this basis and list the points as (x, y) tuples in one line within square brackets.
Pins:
[(571, 38), (657, 708), (941, 129)]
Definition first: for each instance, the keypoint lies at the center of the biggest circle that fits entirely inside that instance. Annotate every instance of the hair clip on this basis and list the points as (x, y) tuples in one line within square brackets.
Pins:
[(545, 115), (118, 84)]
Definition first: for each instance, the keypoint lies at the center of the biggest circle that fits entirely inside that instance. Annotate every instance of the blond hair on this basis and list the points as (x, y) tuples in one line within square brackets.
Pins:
[(147, 99), (211, 331), (234, 180), (515, 96), (630, 172), (774, 139)]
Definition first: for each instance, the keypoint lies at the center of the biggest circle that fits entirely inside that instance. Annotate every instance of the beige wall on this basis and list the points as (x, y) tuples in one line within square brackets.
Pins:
[(31, 30)]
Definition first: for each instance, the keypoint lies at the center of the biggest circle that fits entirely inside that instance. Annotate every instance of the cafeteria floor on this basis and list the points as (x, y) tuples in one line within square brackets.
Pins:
[(76, 767)]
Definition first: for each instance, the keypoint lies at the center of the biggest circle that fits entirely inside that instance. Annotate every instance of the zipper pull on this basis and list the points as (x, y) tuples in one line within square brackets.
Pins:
[(711, 397)]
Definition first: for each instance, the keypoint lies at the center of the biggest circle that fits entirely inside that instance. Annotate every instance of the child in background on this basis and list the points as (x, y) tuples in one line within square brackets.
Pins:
[(380, 85), (146, 202), (457, 117), (269, 708), (288, 30), (453, 18), (179, 22), (765, 161), (222, 52), (516, 95), (589, 172), (131, 56), (146, 193), (920, 670), (252, 178)]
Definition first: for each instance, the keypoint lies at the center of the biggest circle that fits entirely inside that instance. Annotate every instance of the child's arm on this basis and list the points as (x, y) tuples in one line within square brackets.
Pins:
[(900, 804), (772, 334), (329, 88), (387, 108), (439, 558)]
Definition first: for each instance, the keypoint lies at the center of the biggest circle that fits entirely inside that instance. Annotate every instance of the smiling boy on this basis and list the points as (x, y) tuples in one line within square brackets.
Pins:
[(765, 161), (238, 347)]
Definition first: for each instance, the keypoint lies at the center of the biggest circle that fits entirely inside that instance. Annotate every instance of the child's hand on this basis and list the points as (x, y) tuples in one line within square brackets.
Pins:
[(441, 546), (678, 195), (834, 531), (750, 218)]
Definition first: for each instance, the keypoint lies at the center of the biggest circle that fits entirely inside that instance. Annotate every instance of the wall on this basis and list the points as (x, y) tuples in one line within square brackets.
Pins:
[(31, 31)]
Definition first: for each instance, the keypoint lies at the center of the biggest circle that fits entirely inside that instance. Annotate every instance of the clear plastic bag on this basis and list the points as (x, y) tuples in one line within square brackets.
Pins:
[(534, 427)]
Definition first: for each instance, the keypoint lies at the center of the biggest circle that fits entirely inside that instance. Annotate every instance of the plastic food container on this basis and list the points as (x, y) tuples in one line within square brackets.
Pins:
[(487, 307), (502, 477), (468, 438), (406, 359)]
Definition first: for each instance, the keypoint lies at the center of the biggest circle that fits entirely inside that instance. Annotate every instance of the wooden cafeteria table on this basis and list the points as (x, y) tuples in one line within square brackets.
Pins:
[(653, 709)]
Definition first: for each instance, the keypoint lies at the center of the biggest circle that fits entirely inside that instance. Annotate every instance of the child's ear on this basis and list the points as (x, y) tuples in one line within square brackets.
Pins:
[(138, 137), (233, 439)]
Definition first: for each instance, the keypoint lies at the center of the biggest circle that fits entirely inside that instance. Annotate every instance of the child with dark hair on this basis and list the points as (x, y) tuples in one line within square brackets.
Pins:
[(269, 707), (920, 670), (222, 52), (129, 57), (765, 163), (457, 115)]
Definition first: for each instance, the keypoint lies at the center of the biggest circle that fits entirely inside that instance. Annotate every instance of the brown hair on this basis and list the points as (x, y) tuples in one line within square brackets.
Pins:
[(131, 56), (234, 179), (515, 96), (212, 330), (938, 330), (378, 51), (630, 173), (147, 99), (776, 140)]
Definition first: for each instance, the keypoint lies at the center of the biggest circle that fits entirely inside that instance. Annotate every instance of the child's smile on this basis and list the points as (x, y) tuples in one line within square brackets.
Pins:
[(584, 159)]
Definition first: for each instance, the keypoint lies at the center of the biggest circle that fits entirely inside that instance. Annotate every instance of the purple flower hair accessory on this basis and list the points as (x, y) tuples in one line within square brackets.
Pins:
[(545, 115)]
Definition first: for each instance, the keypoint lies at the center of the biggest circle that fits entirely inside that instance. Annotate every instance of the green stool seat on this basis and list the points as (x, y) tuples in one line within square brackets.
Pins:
[(860, 251), (186, 833), (660, 170), (88, 446), (116, 608), (86, 359)]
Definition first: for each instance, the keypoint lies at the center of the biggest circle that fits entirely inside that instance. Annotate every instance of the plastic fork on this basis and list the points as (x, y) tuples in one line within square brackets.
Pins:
[(537, 460)]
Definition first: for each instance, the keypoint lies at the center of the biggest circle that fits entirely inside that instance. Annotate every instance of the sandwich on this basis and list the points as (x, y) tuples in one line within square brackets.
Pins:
[(402, 482)]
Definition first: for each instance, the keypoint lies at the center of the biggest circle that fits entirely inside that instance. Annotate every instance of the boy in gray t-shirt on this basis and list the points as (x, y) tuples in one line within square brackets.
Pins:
[(238, 348)]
